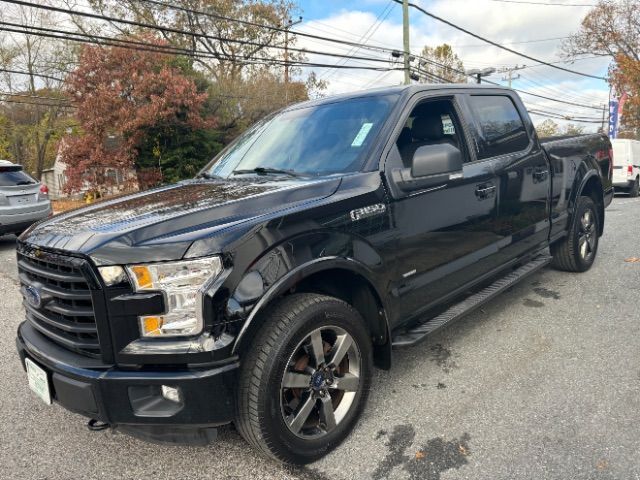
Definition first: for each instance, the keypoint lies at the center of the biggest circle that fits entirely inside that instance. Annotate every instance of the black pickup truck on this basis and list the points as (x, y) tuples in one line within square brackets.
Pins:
[(264, 291)]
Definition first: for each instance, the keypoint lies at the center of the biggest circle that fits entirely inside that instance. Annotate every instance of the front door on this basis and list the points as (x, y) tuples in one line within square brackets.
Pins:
[(447, 233)]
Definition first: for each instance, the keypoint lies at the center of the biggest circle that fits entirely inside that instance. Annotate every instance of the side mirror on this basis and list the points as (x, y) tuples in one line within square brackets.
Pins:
[(438, 159)]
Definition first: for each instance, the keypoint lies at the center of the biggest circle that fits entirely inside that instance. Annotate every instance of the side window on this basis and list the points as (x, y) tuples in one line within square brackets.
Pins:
[(501, 127), (431, 122)]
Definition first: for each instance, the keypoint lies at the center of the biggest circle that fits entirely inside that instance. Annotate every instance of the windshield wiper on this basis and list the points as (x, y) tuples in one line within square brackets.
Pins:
[(267, 171), (25, 182)]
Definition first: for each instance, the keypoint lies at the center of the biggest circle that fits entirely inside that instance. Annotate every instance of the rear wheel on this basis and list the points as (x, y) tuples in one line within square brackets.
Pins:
[(305, 378), (577, 251), (634, 190)]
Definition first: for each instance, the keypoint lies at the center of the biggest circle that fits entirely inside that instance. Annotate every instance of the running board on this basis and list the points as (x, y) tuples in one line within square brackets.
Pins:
[(419, 332)]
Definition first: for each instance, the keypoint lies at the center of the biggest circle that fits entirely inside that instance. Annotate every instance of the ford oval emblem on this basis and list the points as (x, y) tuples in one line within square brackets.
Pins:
[(32, 296)]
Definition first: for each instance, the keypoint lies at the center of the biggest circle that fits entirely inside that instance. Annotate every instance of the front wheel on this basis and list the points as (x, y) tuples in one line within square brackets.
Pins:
[(304, 379), (577, 251)]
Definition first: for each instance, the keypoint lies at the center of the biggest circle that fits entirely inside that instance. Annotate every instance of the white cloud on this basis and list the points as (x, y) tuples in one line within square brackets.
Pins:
[(498, 21)]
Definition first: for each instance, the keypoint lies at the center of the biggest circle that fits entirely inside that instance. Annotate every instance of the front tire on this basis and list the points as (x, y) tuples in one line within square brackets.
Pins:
[(304, 379), (577, 251)]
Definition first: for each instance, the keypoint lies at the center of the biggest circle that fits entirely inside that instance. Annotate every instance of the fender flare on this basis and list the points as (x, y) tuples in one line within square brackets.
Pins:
[(577, 192), (299, 273)]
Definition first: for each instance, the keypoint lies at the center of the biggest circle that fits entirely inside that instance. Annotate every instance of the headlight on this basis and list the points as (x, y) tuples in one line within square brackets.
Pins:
[(183, 284)]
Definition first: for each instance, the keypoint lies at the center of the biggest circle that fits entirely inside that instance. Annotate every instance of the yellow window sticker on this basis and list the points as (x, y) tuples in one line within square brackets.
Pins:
[(362, 135)]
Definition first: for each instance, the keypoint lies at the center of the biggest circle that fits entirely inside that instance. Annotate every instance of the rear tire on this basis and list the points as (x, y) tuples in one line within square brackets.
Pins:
[(304, 378), (577, 251), (634, 191)]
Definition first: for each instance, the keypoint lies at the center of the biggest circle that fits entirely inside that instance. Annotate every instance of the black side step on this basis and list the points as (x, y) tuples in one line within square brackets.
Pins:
[(419, 332)]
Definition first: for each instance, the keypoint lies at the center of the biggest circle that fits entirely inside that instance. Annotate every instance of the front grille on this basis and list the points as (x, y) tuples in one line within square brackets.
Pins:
[(65, 311)]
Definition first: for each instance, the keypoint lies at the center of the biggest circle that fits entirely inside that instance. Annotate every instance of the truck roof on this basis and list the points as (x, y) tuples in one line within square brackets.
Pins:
[(406, 89)]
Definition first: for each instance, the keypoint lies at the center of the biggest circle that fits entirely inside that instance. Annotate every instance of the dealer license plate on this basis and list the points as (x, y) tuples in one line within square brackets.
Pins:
[(38, 381)]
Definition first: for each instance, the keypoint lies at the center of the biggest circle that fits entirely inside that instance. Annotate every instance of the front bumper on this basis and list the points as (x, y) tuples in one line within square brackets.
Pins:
[(132, 397)]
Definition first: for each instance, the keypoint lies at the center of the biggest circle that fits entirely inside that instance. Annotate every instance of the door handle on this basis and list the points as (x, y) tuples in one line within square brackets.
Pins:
[(485, 191)]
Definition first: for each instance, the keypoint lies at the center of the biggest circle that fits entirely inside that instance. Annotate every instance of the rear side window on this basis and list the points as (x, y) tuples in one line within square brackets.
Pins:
[(501, 127), (12, 176)]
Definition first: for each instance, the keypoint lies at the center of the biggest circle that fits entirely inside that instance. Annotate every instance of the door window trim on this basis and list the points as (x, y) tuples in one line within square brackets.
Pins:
[(418, 98), (477, 129)]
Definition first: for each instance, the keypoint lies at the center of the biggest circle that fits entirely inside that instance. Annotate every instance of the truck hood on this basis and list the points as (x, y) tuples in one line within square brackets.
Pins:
[(161, 224)]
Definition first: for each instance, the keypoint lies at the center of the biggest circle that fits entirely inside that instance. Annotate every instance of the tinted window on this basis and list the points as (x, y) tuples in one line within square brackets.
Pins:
[(501, 126), (316, 140), (12, 176), (430, 123)]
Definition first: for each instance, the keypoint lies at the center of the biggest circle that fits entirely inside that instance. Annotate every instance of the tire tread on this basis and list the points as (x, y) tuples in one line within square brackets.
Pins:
[(266, 339)]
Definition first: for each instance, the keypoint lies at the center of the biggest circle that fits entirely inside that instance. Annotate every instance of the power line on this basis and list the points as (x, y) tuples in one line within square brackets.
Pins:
[(22, 72), (366, 37), (560, 117), (176, 50), (168, 49), (28, 95), (496, 44), (539, 40), (544, 4), (547, 89), (255, 24), (183, 32)]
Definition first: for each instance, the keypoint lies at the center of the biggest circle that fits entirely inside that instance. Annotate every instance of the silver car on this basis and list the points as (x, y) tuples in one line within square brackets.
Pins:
[(23, 200)]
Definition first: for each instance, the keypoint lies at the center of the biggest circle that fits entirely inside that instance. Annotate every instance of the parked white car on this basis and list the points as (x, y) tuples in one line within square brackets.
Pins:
[(23, 200), (626, 166)]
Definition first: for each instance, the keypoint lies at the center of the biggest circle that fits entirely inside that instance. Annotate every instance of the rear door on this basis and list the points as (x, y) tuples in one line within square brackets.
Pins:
[(506, 138)]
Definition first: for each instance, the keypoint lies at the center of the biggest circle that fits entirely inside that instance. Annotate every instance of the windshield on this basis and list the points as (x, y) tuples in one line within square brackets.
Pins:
[(14, 176), (316, 140)]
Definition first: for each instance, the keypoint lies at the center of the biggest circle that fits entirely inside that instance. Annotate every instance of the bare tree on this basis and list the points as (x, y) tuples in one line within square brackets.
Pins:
[(31, 75)]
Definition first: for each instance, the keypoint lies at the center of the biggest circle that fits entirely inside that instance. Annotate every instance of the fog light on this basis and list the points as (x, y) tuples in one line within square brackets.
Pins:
[(171, 393)]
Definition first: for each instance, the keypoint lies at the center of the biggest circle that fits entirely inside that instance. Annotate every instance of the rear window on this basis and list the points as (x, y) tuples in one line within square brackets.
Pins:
[(501, 127), (13, 176)]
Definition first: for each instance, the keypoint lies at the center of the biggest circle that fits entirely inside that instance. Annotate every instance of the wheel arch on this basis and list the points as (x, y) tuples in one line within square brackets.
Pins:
[(342, 278)]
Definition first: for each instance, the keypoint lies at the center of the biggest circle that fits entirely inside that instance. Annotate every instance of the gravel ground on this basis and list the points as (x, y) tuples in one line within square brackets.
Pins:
[(542, 382)]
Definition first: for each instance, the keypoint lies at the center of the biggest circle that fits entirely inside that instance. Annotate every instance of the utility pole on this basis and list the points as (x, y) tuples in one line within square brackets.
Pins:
[(406, 47), (290, 23), (509, 77)]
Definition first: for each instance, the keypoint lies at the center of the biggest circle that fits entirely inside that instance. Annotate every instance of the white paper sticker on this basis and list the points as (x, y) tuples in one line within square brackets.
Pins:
[(447, 125), (362, 135)]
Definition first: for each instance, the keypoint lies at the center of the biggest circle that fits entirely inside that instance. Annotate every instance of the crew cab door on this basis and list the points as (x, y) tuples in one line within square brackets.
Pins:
[(505, 138), (444, 212)]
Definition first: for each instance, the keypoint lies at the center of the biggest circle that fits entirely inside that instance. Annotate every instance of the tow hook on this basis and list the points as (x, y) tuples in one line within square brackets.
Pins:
[(97, 426)]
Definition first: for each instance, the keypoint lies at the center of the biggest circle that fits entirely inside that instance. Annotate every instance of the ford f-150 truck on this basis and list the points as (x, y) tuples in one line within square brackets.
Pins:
[(264, 291)]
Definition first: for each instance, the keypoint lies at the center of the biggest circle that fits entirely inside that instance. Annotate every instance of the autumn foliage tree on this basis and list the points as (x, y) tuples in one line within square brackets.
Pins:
[(613, 29), (442, 63), (125, 94)]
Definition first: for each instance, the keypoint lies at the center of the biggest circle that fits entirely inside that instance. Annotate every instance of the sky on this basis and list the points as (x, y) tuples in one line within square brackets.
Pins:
[(541, 27)]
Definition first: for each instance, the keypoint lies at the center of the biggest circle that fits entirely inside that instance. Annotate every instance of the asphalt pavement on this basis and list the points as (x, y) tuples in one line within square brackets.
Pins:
[(541, 383)]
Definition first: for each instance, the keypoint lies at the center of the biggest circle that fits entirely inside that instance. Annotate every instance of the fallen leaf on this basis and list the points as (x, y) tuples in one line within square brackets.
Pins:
[(602, 464), (632, 260), (463, 450), (420, 455)]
